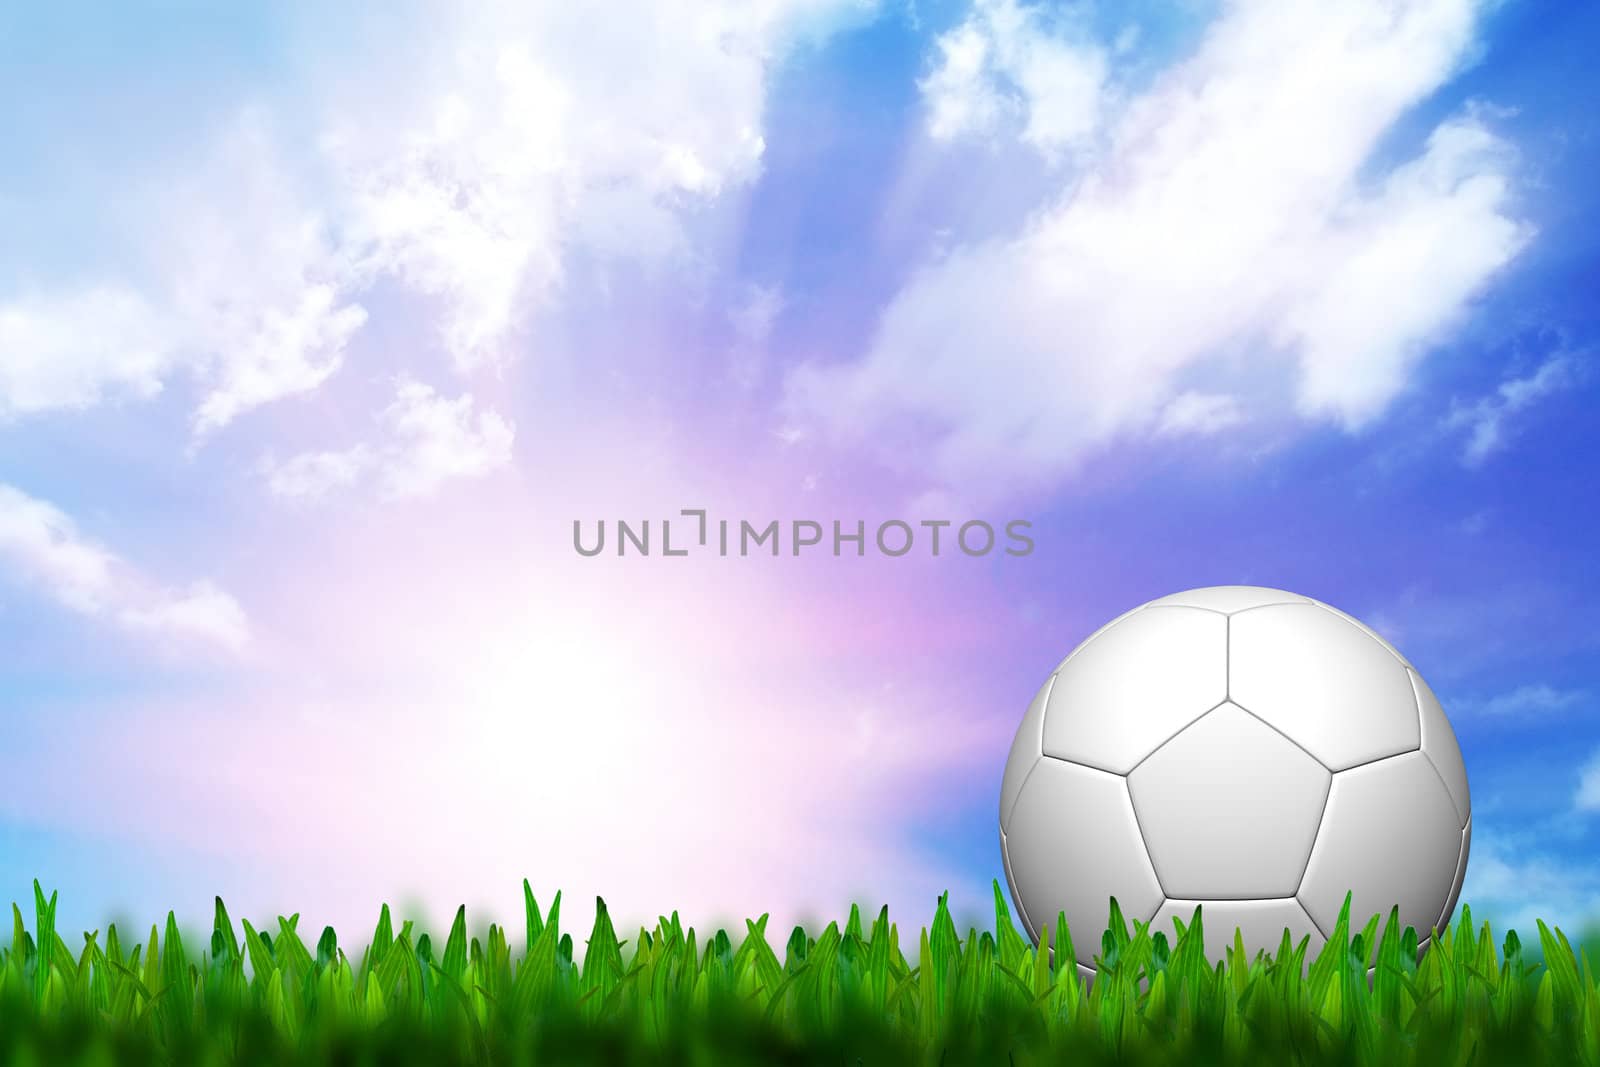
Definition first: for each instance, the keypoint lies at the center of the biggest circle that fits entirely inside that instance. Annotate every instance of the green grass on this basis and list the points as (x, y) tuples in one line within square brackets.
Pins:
[(848, 995)]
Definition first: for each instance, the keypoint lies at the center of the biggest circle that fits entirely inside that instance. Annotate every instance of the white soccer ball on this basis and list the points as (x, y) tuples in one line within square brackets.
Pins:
[(1255, 751)]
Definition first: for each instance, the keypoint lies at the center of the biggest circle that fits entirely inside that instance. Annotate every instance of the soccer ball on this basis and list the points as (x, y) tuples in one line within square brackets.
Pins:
[(1250, 750)]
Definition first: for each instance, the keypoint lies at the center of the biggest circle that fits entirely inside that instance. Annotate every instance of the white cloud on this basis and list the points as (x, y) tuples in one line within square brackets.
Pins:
[(1526, 701), (77, 351), (1518, 882), (42, 544), (1008, 67), (259, 278), (437, 439), (1226, 227), (527, 135), (427, 440), (288, 350), (247, 296), (960, 94), (1587, 798), (1487, 421), (42, 547), (201, 611), (544, 129), (1199, 414), (312, 474), (1397, 269)]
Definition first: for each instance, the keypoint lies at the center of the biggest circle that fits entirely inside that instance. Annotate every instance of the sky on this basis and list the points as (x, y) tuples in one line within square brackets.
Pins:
[(320, 328)]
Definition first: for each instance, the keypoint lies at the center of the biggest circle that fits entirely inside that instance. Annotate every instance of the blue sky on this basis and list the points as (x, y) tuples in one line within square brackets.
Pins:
[(316, 332)]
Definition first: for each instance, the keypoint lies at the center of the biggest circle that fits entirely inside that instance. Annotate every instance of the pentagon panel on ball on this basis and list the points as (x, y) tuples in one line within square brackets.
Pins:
[(1389, 836), (1136, 684), (1071, 845), (1260, 922), (1229, 809), (1327, 684)]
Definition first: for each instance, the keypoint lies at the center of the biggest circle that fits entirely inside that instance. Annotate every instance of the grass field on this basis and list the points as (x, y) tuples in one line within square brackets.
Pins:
[(848, 995)]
